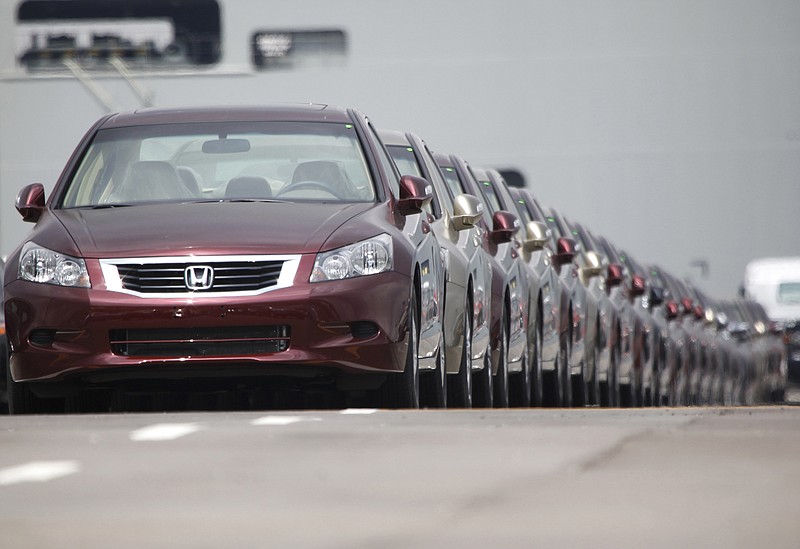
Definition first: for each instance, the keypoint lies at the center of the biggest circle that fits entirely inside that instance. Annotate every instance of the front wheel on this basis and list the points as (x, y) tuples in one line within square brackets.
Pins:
[(459, 387), (609, 390), (402, 389), (483, 392), (537, 373), (21, 399), (501, 379), (557, 383), (433, 384)]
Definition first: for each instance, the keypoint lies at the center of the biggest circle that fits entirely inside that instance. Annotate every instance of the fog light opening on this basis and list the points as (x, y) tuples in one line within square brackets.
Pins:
[(42, 337), (364, 329)]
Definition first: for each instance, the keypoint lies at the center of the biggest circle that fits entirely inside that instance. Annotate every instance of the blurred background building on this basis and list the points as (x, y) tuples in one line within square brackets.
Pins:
[(672, 128)]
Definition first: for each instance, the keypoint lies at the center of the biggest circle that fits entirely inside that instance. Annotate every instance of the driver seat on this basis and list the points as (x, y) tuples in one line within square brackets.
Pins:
[(324, 171)]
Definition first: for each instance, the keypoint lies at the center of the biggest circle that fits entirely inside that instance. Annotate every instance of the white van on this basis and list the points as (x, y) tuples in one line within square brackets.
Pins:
[(775, 283)]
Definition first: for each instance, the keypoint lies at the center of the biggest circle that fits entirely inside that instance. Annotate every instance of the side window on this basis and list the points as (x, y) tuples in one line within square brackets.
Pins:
[(438, 184), (453, 182), (522, 208), (386, 162)]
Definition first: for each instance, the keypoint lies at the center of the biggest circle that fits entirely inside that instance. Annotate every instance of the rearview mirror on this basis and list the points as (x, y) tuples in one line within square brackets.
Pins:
[(593, 265), (467, 211), (504, 226), (565, 251), (638, 286), (226, 146), (415, 194), (30, 202), (614, 275), (537, 236), (656, 296), (672, 310)]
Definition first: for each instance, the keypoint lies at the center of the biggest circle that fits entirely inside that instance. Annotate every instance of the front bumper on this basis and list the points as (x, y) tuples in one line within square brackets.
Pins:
[(332, 328)]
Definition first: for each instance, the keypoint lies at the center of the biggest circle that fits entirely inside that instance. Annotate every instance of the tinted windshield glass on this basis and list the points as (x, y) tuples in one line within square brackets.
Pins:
[(184, 162)]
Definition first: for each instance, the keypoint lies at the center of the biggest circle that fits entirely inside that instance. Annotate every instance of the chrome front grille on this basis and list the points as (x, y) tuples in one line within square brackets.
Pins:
[(199, 275), (227, 277)]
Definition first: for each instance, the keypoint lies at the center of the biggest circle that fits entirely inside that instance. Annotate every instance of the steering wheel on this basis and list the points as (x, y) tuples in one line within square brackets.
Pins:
[(299, 185)]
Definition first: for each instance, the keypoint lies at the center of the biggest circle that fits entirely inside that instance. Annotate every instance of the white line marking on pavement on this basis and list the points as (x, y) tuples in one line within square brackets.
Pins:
[(280, 421), (37, 471), (163, 431), (358, 411)]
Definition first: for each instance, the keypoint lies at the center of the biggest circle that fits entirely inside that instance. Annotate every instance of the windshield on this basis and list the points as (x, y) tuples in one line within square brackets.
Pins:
[(222, 161), (789, 292)]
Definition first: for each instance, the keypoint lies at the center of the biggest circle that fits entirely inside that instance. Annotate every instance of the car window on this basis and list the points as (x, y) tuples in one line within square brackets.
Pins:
[(179, 162), (386, 162), (453, 182), (407, 164)]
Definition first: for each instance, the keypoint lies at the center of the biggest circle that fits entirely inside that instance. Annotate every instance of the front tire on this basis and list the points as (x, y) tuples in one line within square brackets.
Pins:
[(403, 388), (537, 373), (459, 387), (433, 384), (21, 399), (501, 379)]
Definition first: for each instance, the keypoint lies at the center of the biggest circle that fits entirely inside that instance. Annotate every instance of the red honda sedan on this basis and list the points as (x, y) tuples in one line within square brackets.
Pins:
[(256, 246)]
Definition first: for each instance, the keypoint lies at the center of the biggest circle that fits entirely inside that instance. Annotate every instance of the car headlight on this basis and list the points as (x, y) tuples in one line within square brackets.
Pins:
[(38, 264), (368, 257)]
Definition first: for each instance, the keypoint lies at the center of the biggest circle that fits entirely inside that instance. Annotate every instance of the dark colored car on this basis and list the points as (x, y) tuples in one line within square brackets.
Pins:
[(3, 350), (454, 218), (224, 247)]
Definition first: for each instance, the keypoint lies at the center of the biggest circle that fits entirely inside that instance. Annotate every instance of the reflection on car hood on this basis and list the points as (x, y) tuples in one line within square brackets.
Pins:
[(206, 228)]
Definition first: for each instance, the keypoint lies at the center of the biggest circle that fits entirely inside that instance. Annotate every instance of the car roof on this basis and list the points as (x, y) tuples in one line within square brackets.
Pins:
[(394, 138), (301, 112)]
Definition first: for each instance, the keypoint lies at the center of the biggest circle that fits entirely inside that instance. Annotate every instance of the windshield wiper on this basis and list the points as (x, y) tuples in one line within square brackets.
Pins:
[(106, 206)]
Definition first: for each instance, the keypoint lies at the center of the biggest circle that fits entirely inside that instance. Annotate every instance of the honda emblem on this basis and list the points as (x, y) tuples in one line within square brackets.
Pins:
[(198, 277)]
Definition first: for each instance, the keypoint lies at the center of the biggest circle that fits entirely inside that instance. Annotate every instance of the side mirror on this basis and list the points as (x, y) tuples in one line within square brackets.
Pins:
[(672, 310), (30, 202), (415, 194), (537, 236), (638, 286), (594, 264), (504, 226), (565, 251), (467, 211), (614, 275), (656, 296)]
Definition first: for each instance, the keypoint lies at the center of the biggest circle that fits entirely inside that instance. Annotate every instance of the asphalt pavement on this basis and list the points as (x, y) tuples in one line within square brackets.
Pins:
[(690, 477)]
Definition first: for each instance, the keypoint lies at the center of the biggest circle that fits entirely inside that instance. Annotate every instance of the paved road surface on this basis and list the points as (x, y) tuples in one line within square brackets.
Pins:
[(397, 479)]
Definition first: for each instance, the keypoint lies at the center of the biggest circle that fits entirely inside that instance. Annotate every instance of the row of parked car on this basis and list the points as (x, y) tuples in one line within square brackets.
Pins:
[(302, 248), (589, 324)]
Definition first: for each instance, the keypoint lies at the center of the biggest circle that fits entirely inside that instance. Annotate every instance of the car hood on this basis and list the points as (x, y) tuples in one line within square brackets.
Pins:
[(206, 228)]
